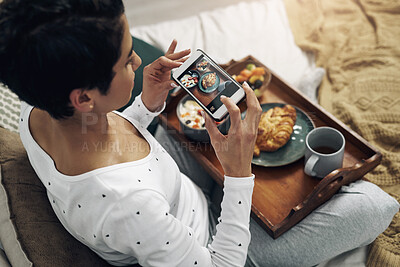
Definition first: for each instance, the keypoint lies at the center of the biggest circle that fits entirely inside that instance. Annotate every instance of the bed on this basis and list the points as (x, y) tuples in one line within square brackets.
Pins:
[(340, 53), (356, 42), (346, 58)]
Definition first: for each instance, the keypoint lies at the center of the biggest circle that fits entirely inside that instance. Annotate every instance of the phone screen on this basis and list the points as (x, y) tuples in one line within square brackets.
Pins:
[(207, 83)]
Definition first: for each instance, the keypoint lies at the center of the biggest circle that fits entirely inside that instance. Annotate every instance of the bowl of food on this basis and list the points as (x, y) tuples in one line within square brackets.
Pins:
[(252, 71), (209, 81), (190, 79), (202, 65), (192, 122)]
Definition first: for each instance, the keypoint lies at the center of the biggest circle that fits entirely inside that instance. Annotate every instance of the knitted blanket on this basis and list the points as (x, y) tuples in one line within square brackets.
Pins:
[(357, 42)]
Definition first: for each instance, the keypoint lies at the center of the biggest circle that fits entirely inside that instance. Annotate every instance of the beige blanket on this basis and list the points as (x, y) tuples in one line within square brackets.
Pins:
[(358, 43)]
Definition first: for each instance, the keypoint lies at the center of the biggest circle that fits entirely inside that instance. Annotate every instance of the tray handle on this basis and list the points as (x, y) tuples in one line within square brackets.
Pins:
[(333, 181)]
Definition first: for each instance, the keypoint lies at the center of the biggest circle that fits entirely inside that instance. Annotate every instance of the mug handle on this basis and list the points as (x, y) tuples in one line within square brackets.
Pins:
[(308, 168)]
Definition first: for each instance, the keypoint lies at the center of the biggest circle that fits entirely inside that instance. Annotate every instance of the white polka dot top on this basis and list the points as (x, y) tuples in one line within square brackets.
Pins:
[(144, 211)]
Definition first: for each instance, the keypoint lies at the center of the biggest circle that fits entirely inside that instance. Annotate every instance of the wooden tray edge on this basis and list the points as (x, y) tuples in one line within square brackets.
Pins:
[(324, 191)]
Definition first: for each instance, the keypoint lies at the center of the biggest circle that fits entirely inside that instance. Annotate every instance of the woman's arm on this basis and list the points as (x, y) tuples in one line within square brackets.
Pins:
[(235, 150), (229, 247), (157, 77), (156, 85), (139, 112), (140, 225), (230, 244)]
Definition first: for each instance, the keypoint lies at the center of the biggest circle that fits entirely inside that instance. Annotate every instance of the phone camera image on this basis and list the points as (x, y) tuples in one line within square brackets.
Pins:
[(192, 122), (202, 65), (190, 79), (206, 82), (209, 82)]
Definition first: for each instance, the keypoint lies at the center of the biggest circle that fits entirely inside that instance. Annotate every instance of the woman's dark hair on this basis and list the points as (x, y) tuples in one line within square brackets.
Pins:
[(50, 47)]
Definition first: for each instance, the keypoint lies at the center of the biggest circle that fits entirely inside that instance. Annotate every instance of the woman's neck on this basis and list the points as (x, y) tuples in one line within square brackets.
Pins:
[(71, 133), (85, 142), (83, 125)]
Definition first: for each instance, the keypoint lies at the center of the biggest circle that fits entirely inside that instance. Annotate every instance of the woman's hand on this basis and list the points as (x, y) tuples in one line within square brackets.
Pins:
[(235, 150), (156, 77)]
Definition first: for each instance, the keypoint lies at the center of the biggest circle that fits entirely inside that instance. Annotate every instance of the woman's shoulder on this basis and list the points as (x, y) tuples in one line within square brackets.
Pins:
[(75, 153)]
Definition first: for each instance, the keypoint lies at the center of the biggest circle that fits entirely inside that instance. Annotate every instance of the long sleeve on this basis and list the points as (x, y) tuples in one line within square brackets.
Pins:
[(230, 244), (140, 113), (142, 226)]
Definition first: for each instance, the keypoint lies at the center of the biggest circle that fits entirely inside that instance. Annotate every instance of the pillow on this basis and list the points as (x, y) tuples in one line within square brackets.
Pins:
[(29, 230), (9, 109), (257, 28), (3, 259)]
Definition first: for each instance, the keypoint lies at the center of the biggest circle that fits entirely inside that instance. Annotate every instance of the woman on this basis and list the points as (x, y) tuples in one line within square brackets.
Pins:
[(110, 183), (125, 204)]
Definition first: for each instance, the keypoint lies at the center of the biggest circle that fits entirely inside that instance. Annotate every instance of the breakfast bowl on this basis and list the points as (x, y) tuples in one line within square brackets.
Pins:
[(202, 65), (252, 71), (209, 81), (192, 122), (190, 78)]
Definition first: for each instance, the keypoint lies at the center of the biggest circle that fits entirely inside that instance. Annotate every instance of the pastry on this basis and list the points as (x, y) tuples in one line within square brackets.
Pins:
[(275, 128), (209, 80)]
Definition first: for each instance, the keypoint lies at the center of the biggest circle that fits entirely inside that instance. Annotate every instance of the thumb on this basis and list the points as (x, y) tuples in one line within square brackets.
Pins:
[(212, 129)]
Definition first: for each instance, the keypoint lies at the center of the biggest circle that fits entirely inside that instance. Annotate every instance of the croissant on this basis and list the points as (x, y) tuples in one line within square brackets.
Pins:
[(275, 128)]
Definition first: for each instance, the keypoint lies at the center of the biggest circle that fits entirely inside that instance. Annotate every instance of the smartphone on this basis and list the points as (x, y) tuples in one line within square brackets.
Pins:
[(206, 82)]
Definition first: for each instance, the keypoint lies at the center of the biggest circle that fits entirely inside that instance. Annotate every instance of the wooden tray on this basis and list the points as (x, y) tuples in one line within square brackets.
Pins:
[(283, 196)]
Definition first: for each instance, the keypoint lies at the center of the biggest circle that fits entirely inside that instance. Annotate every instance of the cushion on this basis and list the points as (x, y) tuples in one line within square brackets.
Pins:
[(257, 28), (9, 109), (3, 259), (29, 230)]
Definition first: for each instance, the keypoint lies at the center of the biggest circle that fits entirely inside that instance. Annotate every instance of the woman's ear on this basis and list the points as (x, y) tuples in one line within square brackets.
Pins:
[(81, 100)]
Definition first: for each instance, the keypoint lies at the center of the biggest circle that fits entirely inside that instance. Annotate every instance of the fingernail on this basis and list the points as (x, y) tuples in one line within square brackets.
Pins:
[(245, 83), (223, 97), (174, 85), (202, 114)]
